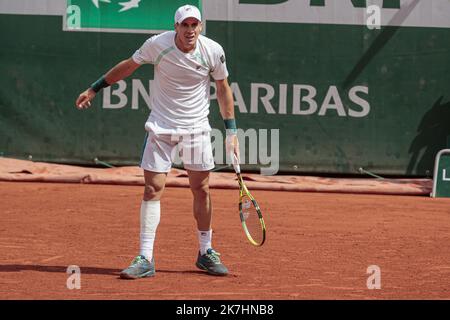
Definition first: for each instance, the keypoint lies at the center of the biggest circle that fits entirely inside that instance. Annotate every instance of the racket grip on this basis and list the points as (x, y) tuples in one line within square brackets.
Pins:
[(236, 165)]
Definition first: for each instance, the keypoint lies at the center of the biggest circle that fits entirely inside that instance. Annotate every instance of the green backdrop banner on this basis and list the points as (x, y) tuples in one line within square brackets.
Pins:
[(122, 16), (342, 96)]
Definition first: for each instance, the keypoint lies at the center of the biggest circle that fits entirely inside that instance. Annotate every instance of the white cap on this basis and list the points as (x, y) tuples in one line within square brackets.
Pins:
[(187, 11)]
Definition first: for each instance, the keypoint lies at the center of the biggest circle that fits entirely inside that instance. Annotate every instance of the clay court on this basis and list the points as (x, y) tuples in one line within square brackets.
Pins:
[(319, 245)]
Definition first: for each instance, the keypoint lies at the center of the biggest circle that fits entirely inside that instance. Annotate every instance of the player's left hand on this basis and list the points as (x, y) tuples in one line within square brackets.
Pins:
[(232, 146)]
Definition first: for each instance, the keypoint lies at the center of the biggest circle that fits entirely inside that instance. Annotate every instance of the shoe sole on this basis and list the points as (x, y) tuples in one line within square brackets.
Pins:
[(202, 267), (132, 277)]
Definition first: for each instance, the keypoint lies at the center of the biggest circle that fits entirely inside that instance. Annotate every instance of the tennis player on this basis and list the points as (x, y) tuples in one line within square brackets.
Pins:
[(184, 60)]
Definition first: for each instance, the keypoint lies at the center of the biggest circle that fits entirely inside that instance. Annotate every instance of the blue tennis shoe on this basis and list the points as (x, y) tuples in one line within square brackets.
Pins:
[(139, 268), (211, 263)]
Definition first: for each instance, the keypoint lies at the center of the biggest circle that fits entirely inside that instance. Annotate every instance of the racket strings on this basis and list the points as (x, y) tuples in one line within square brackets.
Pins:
[(251, 219), (250, 215)]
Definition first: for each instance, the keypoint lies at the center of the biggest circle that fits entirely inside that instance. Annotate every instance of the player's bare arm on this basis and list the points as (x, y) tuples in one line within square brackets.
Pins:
[(121, 71), (225, 99), (226, 104)]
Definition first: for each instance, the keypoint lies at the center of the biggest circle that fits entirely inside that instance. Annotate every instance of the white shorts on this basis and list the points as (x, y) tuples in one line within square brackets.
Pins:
[(162, 150)]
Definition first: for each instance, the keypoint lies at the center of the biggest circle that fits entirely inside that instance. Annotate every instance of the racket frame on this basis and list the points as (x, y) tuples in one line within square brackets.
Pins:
[(243, 191)]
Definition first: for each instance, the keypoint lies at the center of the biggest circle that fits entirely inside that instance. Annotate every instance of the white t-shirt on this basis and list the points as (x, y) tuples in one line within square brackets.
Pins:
[(180, 93)]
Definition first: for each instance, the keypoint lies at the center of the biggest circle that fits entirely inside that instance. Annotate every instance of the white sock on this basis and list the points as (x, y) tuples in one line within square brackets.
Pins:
[(204, 240), (150, 216)]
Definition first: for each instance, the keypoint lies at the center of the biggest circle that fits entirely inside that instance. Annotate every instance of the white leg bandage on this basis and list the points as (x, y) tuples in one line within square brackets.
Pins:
[(150, 216)]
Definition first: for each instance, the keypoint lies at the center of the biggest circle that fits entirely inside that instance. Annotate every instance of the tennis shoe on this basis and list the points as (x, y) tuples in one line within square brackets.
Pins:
[(210, 262), (140, 267)]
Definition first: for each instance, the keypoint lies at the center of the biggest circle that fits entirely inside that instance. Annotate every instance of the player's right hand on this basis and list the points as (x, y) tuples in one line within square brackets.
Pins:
[(85, 98)]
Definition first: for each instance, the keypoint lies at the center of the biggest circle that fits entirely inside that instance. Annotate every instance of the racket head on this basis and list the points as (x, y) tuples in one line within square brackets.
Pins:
[(251, 217)]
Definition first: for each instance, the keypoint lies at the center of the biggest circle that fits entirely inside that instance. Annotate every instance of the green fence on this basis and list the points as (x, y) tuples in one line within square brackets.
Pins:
[(343, 96)]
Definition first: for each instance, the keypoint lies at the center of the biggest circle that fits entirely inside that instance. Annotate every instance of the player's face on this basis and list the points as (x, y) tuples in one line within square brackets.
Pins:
[(188, 32)]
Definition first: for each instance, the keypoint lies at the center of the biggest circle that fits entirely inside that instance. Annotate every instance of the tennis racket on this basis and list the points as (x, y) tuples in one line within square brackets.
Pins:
[(249, 211)]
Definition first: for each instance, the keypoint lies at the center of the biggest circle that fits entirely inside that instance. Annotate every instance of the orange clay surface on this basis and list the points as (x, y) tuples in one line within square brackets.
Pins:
[(319, 245)]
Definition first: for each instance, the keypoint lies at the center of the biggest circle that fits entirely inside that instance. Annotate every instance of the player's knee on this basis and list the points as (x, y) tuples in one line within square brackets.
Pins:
[(200, 191), (152, 192)]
